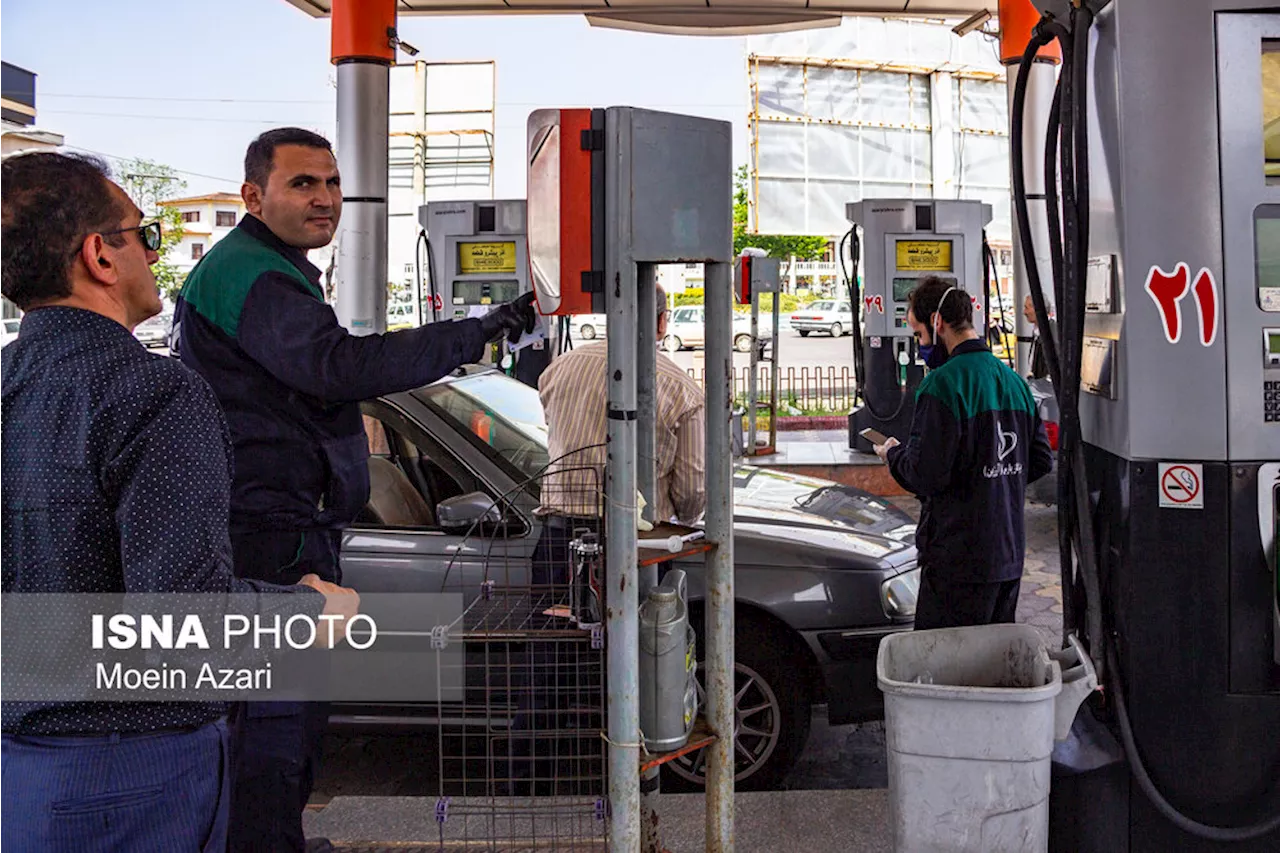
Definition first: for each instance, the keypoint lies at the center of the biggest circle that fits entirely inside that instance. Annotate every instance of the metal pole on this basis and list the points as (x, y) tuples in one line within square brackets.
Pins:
[(622, 622), (647, 401), (773, 371), (719, 561), (1040, 86), (363, 121), (753, 381)]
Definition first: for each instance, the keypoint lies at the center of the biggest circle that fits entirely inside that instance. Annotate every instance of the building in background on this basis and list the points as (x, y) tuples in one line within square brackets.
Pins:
[(875, 108), (440, 149), (206, 219), (18, 130)]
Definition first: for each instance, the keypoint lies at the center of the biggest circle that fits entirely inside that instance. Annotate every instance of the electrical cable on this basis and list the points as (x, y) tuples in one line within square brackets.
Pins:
[(1069, 247)]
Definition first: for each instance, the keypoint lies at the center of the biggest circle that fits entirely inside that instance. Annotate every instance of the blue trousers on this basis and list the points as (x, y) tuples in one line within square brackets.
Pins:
[(163, 792)]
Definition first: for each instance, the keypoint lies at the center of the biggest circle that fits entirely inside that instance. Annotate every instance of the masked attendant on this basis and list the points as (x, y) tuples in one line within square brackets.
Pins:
[(976, 442)]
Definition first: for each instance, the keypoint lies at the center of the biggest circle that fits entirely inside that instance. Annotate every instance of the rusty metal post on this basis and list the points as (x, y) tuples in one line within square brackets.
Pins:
[(718, 663)]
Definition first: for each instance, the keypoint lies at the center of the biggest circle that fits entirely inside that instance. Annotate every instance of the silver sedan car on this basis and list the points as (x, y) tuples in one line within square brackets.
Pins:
[(822, 571), (832, 317)]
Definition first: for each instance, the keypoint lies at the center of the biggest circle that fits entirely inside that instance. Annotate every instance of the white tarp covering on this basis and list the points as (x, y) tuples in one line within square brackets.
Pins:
[(848, 113), (440, 148)]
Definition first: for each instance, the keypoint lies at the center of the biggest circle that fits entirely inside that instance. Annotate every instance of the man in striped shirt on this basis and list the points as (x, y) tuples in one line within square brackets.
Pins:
[(574, 395)]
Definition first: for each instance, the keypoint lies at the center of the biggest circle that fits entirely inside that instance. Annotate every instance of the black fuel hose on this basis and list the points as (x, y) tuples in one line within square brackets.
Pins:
[(989, 274), (417, 270), (855, 299)]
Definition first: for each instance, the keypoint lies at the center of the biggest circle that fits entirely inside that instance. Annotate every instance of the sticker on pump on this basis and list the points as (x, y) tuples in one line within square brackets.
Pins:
[(1181, 485), (1168, 289), (924, 255), (487, 257)]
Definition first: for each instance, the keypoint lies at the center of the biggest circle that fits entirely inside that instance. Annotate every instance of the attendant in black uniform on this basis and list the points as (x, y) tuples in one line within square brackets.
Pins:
[(976, 442), (116, 479), (252, 320)]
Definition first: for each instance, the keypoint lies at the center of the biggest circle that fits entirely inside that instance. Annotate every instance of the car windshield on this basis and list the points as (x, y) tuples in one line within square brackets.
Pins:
[(849, 507), (819, 306), (499, 415), (504, 419)]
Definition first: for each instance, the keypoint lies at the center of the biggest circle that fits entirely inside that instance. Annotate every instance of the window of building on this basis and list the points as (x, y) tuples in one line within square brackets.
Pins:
[(190, 216), (197, 251), (226, 219)]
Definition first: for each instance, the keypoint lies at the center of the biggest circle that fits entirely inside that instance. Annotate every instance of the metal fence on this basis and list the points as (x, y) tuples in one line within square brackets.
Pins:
[(809, 389)]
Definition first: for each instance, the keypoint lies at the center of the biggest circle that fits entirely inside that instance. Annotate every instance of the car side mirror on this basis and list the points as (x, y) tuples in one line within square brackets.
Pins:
[(472, 512)]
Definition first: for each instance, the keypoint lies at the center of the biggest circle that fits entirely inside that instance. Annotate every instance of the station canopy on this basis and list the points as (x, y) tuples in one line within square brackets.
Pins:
[(704, 17)]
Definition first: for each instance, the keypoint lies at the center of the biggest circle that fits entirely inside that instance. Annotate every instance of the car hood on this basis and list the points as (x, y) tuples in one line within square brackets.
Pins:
[(807, 514)]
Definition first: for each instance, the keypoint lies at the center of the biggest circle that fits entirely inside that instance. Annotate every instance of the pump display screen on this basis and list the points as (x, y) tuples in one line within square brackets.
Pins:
[(484, 292), (902, 287), (1266, 233), (924, 255), (487, 257)]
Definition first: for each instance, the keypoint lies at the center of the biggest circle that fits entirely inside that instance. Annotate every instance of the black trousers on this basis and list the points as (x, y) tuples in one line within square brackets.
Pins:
[(276, 747), (944, 603)]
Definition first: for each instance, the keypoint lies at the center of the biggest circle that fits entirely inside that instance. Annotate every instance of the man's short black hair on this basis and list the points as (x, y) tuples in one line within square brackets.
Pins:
[(51, 203), (260, 157), (957, 311)]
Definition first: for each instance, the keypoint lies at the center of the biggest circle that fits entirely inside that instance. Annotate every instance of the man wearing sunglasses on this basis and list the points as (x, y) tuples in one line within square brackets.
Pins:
[(116, 479), (252, 320)]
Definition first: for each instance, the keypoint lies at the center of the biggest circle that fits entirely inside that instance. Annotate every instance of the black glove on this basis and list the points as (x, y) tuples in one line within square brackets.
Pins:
[(512, 319)]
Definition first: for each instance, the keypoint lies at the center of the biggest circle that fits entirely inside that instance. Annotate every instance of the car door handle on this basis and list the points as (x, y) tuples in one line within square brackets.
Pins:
[(461, 549)]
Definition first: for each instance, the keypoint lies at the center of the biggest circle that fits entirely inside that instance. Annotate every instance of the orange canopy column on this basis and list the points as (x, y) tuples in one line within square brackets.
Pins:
[(363, 29), (1017, 19)]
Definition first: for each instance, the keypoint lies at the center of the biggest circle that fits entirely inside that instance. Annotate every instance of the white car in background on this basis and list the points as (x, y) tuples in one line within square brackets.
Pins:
[(10, 335), (830, 316), (588, 327), (154, 332), (687, 328)]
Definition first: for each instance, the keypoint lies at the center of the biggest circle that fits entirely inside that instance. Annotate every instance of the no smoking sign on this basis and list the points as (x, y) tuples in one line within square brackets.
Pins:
[(1181, 485)]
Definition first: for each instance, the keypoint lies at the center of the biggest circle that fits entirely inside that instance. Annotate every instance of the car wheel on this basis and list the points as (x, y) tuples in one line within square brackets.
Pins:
[(771, 716), (742, 343), (803, 333), (587, 332), (672, 344), (837, 330)]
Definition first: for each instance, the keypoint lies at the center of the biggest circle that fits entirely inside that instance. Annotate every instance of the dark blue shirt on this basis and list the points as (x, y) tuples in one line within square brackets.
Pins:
[(115, 475), (253, 322)]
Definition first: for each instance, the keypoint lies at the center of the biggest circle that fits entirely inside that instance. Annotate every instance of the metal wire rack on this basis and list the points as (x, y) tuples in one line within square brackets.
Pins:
[(522, 759)]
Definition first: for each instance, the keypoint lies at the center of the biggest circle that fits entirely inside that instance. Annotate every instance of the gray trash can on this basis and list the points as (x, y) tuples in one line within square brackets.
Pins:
[(971, 715)]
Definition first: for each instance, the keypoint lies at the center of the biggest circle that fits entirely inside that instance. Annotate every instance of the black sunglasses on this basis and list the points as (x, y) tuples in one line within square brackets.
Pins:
[(150, 234)]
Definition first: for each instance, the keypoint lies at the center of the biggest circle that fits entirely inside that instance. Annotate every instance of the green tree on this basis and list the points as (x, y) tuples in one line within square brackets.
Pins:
[(148, 183), (804, 248)]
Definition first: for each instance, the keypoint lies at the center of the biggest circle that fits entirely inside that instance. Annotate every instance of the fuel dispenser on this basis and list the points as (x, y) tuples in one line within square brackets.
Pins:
[(478, 257), (902, 241), (1165, 245)]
